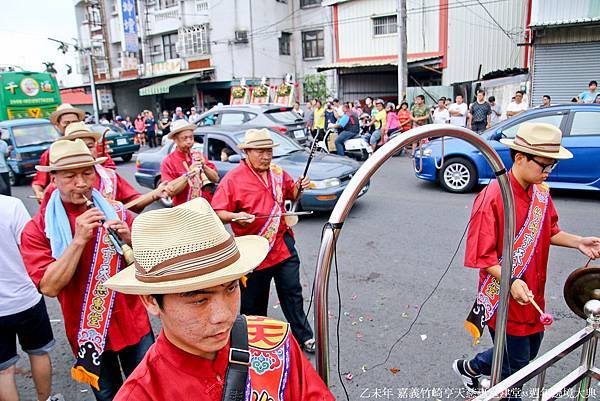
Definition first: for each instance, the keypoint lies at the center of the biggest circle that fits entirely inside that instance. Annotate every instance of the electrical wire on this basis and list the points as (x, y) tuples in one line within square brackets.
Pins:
[(434, 288), (496, 22)]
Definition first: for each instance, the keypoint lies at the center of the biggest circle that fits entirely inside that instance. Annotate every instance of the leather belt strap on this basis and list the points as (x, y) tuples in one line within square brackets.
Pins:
[(239, 360)]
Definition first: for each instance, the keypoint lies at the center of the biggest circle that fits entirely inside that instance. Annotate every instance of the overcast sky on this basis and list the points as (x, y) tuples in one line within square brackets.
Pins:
[(25, 26)]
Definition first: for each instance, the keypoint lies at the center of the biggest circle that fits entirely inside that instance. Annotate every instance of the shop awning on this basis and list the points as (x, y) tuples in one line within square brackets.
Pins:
[(412, 62), (165, 85)]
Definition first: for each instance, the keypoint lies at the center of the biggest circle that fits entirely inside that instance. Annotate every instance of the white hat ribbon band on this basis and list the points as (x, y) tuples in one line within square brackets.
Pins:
[(540, 147), (189, 265)]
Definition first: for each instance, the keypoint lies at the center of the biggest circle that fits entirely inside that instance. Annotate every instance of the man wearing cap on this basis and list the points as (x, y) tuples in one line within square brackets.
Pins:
[(535, 151), (206, 351), (64, 115), (110, 184), (252, 198), (69, 254), (185, 161)]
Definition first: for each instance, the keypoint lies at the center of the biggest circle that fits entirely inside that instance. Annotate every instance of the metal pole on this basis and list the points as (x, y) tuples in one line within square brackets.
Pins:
[(402, 49), (349, 196), (93, 86), (251, 39)]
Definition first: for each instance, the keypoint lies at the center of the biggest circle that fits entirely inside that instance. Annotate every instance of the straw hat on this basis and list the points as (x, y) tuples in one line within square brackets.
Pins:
[(257, 139), (539, 139), (69, 155), (66, 108), (183, 249), (180, 125), (79, 130)]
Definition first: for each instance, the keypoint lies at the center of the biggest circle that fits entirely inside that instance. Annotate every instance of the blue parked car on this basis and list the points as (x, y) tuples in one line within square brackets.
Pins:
[(30, 137), (463, 166), (330, 174)]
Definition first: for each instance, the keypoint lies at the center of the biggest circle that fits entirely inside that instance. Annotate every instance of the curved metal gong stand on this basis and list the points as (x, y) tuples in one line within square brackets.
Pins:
[(347, 199)]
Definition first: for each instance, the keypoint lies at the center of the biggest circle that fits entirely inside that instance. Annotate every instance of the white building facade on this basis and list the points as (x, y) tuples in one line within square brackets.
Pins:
[(449, 42), (159, 54)]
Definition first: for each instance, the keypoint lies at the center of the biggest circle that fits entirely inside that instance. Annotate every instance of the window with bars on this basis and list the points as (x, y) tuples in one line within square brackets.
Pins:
[(201, 6), (167, 3), (193, 41), (313, 44), (385, 25), (308, 3), (169, 43), (284, 43)]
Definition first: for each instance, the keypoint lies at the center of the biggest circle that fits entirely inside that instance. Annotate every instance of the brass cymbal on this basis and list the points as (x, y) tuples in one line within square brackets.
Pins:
[(582, 285)]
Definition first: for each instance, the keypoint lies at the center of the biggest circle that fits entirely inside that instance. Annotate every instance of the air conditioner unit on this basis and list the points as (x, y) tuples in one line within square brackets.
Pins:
[(241, 36)]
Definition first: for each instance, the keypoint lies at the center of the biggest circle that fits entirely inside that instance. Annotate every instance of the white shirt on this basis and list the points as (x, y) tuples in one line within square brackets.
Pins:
[(441, 116), (194, 118), (514, 106), (495, 118), (461, 121), (17, 292)]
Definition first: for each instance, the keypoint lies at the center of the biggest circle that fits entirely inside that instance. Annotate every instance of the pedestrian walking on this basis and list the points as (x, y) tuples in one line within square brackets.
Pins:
[(419, 114), (207, 350), (69, 254), (23, 313), (393, 124), (164, 124), (535, 151), (179, 115), (589, 95), (319, 123), (517, 106), (256, 188), (441, 115), (458, 112), (5, 150), (150, 127), (480, 113), (496, 111), (140, 130), (194, 117), (404, 118)]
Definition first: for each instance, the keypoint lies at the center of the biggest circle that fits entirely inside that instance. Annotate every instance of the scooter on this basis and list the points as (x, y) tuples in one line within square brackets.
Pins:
[(356, 148)]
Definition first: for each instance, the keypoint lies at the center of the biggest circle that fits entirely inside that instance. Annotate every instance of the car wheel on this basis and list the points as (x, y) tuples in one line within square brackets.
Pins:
[(126, 158), (458, 175), (14, 179)]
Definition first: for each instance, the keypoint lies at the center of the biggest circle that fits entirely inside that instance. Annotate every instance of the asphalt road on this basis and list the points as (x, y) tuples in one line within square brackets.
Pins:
[(393, 249)]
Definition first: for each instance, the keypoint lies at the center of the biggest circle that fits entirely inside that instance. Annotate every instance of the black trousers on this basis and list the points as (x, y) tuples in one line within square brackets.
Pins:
[(255, 297), (5, 184)]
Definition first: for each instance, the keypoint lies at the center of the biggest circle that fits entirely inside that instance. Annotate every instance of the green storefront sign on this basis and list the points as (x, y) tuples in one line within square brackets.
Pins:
[(27, 95)]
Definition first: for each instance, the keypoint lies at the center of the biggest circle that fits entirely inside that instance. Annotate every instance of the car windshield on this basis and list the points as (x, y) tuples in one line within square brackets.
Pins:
[(285, 116), (286, 145), (27, 135)]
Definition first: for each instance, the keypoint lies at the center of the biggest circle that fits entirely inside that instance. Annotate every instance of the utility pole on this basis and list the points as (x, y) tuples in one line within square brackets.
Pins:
[(93, 86), (402, 45)]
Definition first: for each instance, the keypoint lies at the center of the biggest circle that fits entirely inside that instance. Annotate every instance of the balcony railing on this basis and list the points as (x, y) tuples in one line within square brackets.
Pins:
[(166, 14)]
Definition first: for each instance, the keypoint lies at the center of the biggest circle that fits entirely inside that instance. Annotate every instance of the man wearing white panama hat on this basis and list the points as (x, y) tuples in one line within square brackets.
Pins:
[(62, 117), (535, 152), (206, 351), (69, 253), (185, 161), (258, 187), (110, 184)]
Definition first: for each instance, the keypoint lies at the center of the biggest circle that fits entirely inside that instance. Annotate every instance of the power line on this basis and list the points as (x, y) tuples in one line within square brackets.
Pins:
[(496, 22)]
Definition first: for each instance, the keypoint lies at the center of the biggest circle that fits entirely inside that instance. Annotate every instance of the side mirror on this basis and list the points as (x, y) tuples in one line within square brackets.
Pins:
[(234, 159), (496, 136)]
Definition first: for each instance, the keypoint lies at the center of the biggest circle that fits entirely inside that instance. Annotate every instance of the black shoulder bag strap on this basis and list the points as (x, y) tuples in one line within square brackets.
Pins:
[(239, 360)]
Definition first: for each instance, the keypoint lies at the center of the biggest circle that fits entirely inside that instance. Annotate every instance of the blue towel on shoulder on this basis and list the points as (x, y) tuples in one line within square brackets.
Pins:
[(58, 229)]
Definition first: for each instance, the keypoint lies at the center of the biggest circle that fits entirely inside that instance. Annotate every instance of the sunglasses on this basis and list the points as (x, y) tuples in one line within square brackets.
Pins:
[(546, 168)]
